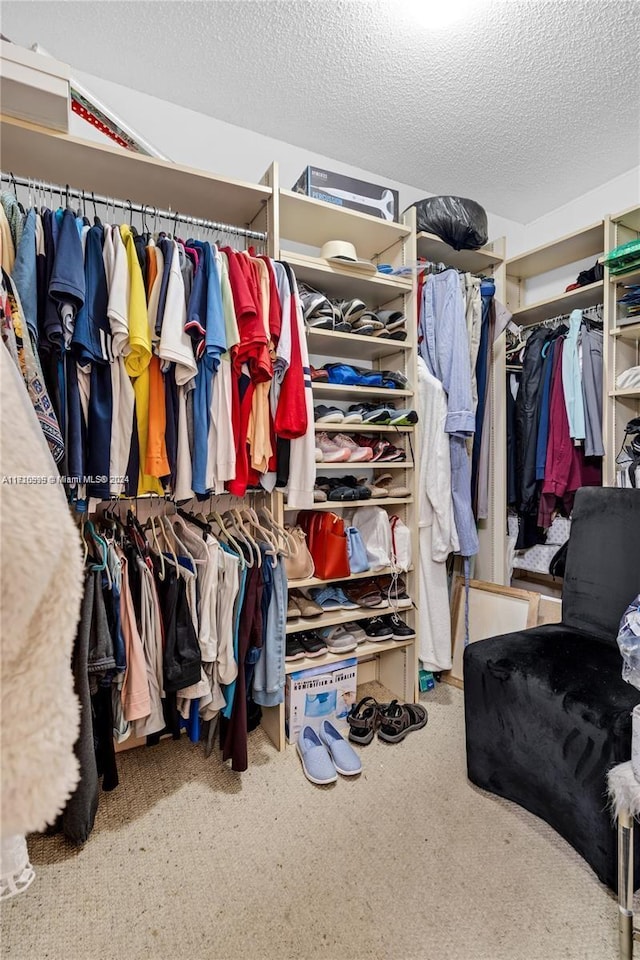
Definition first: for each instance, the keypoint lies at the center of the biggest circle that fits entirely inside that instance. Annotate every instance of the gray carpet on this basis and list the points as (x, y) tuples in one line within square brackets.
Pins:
[(189, 861)]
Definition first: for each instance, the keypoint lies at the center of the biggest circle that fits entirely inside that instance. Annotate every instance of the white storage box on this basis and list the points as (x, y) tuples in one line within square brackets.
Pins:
[(320, 693), (34, 87)]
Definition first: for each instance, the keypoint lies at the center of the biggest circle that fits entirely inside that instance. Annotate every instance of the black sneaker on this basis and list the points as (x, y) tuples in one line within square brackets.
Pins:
[(311, 644), (377, 629), (399, 629), (294, 649)]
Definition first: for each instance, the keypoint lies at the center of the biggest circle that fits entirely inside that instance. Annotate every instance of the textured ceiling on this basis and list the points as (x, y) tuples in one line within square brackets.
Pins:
[(522, 105)]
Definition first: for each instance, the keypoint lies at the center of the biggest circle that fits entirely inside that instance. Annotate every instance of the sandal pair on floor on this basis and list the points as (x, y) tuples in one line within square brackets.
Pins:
[(392, 721)]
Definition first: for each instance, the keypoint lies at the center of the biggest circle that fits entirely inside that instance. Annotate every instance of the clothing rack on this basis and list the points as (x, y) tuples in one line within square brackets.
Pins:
[(145, 209), (551, 321)]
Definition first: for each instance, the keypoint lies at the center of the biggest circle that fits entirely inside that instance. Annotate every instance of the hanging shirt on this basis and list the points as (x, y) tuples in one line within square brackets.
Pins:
[(572, 378)]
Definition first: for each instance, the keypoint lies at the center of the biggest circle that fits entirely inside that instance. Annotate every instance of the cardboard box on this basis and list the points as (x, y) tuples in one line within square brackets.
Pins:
[(320, 693), (371, 198)]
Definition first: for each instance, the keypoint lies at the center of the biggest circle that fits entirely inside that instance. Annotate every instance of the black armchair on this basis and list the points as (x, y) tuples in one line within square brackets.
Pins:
[(547, 712)]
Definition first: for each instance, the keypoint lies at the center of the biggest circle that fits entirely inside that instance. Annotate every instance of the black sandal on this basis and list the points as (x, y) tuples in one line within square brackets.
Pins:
[(396, 720), (363, 720)]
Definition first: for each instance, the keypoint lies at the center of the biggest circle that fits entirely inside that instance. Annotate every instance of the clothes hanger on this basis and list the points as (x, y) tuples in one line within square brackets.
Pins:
[(231, 521), (154, 533), (254, 520), (235, 512), (286, 540), (227, 538)]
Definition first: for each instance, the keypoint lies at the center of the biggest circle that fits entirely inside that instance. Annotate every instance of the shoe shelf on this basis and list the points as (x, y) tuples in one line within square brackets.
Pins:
[(317, 582), (337, 391), (341, 616), (433, 248), (364, 651), (344, 283), (628, 331), (350, 465), (586, 296), (345, 504), (352, 346), (372, 428), (313, 222)]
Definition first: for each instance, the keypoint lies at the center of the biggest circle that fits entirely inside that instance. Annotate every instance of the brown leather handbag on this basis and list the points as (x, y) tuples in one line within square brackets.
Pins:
[(327, 542)]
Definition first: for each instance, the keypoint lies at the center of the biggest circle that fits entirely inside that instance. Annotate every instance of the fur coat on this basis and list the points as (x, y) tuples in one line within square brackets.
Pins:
[(40, 592)]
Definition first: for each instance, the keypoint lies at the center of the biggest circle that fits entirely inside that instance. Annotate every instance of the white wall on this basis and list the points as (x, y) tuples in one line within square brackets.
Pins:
[(200, 141)]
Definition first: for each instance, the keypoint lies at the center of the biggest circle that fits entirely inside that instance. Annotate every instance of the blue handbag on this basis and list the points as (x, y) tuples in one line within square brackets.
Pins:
[(356, 551)]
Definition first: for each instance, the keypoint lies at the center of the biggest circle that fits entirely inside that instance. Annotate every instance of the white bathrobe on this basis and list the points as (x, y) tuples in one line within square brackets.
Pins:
[(40, 591), (437, 533)]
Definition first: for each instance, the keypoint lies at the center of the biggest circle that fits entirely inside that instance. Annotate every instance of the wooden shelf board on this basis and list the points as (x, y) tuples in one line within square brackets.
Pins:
[(344, 504), (632, 276), (36, 152), (364, 651), (317, 582), (629, 218), (314, 222), (337, 391), (433, 248), (588, 242), (629, 331), (360, 428), (577, 299), (629, 392), (366, 465), (340, 616), (352, 346), (344, 283)]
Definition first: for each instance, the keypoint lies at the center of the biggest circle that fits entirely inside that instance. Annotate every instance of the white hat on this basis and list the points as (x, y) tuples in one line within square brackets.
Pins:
[(340, 251)]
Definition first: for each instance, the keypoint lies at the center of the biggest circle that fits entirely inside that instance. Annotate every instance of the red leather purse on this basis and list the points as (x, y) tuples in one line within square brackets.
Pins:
[(327, 542)]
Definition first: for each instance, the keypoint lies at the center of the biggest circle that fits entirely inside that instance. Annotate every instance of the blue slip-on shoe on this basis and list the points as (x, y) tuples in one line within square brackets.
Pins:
[(346, 760), (316, 760)]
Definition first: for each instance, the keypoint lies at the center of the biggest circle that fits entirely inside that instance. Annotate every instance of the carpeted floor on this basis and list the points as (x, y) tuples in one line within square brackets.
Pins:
[(189, 861)]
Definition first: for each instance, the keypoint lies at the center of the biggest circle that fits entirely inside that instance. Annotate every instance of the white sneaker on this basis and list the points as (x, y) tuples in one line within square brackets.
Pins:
[(331, 451)]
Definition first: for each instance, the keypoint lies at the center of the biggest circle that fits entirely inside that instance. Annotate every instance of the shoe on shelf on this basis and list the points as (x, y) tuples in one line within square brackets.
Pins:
[(382, 450), (338, 639), (327, 414), (337, 489), (372, 488), (345, 759), (399, 719), (371, 412), (332, 598), (319, 455), (293, 649), (358, 453), (400, 629), (293, 610), (318, 374), (319, 496), (403, 418), (364, 593), (311, 644), (395, 591), (391, 485), (316, 760), (377, 629), (331, 451), (356, 631), (306, 606), (362, 491)]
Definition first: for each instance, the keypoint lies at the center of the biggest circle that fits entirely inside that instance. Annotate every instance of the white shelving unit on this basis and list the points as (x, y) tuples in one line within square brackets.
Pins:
[(621, 343), (308, 222)]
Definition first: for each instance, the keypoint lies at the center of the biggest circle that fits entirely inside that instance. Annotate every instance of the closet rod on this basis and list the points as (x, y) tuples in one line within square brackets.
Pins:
[(565, 316), (147, 209)]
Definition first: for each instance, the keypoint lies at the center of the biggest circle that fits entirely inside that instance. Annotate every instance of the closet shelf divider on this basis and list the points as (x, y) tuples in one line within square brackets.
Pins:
[(353, 346)]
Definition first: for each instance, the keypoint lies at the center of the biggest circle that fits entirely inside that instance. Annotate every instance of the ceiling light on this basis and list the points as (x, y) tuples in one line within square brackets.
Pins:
[(440, 14)]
